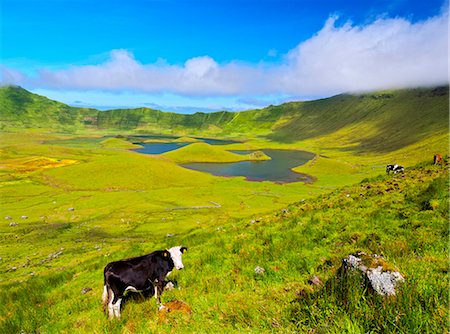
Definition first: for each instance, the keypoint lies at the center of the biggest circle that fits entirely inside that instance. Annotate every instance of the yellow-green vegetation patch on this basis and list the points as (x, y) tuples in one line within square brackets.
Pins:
[(118, 143), (156, 140), (22, 166), (203, 152), (124, 171), (258, 156), (185, 139), (330, 172)]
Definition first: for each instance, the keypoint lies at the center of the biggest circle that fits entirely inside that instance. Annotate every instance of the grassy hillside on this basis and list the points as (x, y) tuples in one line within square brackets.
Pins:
[(73, 200), (378, 122), (404, 217), (22, 109)]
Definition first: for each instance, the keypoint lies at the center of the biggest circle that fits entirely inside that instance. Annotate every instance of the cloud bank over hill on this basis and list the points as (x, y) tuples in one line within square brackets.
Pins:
[(386, 53)]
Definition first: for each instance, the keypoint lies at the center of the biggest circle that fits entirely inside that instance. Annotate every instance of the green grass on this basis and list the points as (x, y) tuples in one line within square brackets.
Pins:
[(388, 215), (118, 143), (90, 200)]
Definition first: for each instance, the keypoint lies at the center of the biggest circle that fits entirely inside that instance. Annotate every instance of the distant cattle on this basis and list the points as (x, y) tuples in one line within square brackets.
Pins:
[(395, 169), (438, 159), (139, 274)]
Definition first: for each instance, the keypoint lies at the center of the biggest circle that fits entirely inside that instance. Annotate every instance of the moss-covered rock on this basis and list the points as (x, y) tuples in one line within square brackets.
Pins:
[(383, 278)]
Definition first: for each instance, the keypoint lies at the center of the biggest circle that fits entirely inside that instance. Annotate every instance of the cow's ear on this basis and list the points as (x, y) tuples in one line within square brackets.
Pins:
[(166, 254), (183, 249)]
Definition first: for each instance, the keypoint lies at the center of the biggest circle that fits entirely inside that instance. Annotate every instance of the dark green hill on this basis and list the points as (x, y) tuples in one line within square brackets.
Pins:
[(377, 122), (20, 108), (385, 121)]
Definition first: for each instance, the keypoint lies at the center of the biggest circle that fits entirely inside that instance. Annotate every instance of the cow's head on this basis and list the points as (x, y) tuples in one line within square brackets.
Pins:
[(175, 254)]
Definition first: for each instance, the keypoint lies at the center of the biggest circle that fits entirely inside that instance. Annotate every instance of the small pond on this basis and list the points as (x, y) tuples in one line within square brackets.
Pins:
[(159, 148)]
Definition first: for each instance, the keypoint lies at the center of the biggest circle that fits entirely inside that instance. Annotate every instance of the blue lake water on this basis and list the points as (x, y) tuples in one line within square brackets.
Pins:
[(159, 148), (276, 170)]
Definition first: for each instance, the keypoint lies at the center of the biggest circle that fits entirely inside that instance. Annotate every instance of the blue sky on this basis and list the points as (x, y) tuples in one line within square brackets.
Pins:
[(191, 55)]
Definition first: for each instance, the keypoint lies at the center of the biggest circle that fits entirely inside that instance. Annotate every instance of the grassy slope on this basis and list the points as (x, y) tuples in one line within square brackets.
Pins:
[(123, 204), (403, 217)]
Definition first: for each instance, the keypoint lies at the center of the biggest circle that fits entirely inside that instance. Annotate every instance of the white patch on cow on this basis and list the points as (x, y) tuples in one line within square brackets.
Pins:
[(131, 288), (110, 305), (175, 254), (156, 293), (116, 307), (169, 286), (105, 294)]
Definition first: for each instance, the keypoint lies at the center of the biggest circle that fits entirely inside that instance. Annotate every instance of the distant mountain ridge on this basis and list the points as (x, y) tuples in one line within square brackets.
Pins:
[(404, 116)]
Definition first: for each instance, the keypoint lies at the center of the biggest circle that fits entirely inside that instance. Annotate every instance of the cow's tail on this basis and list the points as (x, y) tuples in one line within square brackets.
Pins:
[(106, 294)]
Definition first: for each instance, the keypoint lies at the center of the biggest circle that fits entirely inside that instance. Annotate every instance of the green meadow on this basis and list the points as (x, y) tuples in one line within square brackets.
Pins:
[(75, 196)]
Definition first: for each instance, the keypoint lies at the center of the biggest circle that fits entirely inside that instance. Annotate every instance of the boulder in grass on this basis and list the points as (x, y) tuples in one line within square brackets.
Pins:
[(381, 277)]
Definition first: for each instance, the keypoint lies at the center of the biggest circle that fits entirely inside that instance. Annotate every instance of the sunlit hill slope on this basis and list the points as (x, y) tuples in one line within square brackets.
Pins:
[(370, 122)]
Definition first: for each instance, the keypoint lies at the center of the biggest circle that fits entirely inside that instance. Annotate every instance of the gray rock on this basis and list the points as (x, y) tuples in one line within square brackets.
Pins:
[(384, 282), (13, 224), (382, 279)]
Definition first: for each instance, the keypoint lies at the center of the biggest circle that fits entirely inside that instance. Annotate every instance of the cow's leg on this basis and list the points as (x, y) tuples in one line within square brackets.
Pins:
[(158, 290), (116, 307), (111, 304)]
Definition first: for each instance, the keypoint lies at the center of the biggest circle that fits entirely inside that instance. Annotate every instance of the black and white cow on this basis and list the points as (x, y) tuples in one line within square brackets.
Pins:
[(139, 274), (395, 168)]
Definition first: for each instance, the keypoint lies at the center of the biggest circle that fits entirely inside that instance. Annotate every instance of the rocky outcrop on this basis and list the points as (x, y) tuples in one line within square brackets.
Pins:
[(379, 275)]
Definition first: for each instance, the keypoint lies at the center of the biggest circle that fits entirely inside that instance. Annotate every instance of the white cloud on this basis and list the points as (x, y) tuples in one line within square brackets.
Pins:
[(386, 53)]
